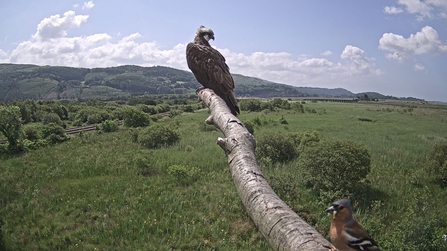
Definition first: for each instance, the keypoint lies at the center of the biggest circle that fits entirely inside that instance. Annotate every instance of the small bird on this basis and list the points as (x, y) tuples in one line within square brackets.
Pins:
[(346, 234), (209, 67)]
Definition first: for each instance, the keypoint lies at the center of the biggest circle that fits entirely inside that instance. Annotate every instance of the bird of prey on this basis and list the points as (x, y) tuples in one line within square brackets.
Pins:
[(346, 234), (209, 67)]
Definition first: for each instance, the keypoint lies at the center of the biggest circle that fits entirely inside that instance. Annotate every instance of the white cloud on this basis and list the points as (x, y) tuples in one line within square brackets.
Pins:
[(360, 63), (417, 7), (88, 5), (392, 10), (419, 67), (3, 56), (326, 53), (425, 41), (421, 8), (56, 26)]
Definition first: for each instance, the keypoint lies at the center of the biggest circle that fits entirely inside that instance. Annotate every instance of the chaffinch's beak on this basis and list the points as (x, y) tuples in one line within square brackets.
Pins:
[(331, 211)]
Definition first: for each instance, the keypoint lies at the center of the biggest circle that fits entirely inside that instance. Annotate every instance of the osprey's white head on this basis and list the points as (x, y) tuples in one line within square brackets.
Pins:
[(206, 33)]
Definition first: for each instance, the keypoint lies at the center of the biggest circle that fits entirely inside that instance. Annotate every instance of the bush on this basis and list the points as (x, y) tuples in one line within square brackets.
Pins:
[(437, 162), (33, 132), (135, 118), (188, 108), (54, 133), (304, 139), (51, 118), (276, 147), (109, 126), (340, 166), (157, 136), (252, 105), (182, 174), (90, 115)]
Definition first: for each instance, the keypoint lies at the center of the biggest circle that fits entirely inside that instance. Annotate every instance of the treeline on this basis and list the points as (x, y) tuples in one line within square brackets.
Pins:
[(29, 124)]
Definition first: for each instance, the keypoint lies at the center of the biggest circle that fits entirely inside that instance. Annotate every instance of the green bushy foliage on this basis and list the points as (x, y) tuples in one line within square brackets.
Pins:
[(262, 120), (33, 132), (302, 140), (437, 162), (188, 108), (329, 162), (51, 118), (182, 174), (90, 115), (157, 136), (252, 105), (276, 147), (54, 133), (11, 128), (249, 126), (149, 109), (134, 117), (109, 126)]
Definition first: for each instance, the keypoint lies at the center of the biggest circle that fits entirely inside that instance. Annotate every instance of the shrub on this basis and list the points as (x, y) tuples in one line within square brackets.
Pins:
[(109, 126), (277, 147), (135, 118), (252, 105), (134, 134), (90, 115), (54, 133), (188, 108), (33, 132), (262, 120), (302, 140), (437, 162), (182, 174), (157, 136), (328, 163), (51, 118), (11, 128)]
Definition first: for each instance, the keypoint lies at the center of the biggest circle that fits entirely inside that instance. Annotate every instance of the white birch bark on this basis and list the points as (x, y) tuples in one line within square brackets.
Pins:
[(280, 225)]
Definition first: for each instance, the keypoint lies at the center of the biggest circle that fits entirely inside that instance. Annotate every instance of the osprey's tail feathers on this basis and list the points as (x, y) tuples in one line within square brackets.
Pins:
[(232, 103)]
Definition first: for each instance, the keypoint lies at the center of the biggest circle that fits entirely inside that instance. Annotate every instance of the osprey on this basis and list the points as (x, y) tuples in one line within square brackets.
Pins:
[(209, 67)]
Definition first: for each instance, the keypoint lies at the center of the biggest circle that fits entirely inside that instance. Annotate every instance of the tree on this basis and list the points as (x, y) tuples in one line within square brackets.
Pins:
[(280, 225), (11, 127)]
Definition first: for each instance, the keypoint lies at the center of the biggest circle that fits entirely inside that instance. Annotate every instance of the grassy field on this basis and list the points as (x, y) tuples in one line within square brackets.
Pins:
[(105, 192)]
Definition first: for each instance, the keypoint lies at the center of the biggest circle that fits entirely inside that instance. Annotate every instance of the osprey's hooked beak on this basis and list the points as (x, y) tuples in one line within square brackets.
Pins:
[(208, 37), (332, 211)]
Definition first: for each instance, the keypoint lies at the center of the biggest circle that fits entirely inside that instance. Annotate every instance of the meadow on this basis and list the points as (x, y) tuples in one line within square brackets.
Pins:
[(103, 191)]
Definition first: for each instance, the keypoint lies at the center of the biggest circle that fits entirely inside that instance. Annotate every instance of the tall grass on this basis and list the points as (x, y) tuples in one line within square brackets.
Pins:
[(105, 192)]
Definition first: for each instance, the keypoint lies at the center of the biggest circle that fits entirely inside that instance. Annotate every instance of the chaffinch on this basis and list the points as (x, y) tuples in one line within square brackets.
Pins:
[(346, 234)]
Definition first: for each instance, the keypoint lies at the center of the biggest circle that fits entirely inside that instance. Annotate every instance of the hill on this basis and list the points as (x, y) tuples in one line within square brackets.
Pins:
[(21, 81)]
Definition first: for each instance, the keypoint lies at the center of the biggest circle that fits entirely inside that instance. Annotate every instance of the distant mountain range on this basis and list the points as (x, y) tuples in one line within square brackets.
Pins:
[(22, 81)]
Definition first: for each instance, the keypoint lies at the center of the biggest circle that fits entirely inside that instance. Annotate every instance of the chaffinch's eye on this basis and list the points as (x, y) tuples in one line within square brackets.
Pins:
[(340, 207)]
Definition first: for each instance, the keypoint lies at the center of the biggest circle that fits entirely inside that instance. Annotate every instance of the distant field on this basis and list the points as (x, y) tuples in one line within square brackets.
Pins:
[(105, 192)]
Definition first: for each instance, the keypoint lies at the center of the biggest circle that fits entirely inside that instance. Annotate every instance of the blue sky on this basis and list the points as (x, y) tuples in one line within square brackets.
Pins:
[(394, 47)]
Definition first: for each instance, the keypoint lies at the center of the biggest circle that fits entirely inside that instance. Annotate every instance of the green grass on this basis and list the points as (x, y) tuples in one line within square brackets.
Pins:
[(105, 192)]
